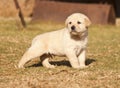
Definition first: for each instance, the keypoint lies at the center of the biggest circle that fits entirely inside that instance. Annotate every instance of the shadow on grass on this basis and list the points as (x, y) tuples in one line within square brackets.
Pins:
[(89, 61), (63, 63)]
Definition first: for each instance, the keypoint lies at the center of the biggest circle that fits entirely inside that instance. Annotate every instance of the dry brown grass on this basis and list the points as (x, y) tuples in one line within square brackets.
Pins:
[(103, 60)]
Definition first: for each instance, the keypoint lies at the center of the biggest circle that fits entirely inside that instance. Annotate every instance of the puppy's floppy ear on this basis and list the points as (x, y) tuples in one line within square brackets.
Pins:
[(87, 22)]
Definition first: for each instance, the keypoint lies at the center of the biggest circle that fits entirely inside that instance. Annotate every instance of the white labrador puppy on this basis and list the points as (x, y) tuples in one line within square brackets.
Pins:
[(70, 41)]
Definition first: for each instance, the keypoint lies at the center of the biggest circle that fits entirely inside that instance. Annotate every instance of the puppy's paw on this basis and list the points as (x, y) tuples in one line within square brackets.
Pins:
[(49, 66), (83, 66), (76, 67), (52, 66), (21, 66)]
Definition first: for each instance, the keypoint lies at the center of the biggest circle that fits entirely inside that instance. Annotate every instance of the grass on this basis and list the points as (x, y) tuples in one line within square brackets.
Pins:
[(103, 59)]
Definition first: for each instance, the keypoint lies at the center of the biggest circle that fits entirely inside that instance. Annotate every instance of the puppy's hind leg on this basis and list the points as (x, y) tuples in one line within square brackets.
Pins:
[(33, 52), (45, 61)]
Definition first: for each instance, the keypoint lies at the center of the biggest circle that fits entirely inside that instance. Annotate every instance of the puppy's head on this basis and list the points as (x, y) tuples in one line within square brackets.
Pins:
[(77, 23)]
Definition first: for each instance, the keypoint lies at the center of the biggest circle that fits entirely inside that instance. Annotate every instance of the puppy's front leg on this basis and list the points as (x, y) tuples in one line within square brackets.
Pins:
[(73, 58), (81, 59)]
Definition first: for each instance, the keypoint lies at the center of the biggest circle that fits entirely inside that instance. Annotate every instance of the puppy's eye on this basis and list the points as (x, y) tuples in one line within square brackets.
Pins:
[(78, 22), (70, 22)]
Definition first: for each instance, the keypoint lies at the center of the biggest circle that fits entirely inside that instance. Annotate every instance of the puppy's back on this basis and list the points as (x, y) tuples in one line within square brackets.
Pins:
[(51, 37)]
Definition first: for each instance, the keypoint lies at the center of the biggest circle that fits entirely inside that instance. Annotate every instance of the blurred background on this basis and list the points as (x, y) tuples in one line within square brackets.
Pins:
[(99, 11)]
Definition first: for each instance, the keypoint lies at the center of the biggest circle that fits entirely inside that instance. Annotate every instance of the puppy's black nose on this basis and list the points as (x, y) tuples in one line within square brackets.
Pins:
[(73, 28)]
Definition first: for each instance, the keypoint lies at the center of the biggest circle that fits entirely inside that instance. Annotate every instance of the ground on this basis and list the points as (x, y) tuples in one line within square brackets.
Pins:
[(103, 59)]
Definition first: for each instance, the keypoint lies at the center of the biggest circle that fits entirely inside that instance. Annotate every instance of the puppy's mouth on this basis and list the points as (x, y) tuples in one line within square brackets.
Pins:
[(74, 33), (77, 33)]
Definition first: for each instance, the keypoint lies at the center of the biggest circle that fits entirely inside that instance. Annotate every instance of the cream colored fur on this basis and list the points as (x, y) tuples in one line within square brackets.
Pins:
[(69, 42)]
